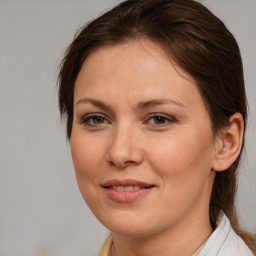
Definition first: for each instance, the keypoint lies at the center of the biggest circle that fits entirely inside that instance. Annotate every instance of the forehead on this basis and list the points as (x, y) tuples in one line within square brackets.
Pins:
[(132, 53), (135, 62)]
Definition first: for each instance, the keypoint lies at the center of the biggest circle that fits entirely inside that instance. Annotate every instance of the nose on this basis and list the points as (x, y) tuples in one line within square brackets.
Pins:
[(124, 147)]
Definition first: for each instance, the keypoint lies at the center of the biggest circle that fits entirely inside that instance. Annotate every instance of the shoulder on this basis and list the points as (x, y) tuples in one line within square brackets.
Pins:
[(225, 242), (234, 245)]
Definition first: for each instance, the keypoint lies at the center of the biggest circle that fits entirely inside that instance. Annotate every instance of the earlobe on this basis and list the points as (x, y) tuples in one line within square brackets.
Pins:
[(229, 143)]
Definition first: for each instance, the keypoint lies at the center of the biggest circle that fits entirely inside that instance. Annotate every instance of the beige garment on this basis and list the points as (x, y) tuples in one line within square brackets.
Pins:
[(106, 248)]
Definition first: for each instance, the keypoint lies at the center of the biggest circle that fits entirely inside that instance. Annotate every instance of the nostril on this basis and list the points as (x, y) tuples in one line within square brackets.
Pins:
[(122, 165), (123, 153), (129, 162)]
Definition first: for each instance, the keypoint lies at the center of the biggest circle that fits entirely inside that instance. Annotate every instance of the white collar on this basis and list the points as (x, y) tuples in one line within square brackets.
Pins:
[(224, 241)]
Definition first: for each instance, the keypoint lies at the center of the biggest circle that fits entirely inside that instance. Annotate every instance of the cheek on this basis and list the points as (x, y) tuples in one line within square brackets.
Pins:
[(182, 156), (87, 159), (86, 155), (183, 166)]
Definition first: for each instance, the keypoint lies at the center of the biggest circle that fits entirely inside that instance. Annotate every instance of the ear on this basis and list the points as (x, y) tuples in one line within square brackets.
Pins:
[(228, 144)]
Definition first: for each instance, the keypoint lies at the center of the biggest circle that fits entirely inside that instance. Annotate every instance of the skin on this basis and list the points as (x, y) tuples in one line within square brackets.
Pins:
[(175, 151)]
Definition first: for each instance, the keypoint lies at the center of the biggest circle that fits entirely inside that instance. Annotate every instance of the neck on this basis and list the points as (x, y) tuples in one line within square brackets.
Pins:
[(180, 239)]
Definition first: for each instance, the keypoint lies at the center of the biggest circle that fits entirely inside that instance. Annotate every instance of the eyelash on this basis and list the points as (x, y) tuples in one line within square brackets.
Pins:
[(90, 119), (167, 119)]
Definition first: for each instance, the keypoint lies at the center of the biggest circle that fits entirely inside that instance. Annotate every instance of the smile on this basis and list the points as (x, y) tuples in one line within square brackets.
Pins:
[(125, 188), (126, 191), (128, 188)]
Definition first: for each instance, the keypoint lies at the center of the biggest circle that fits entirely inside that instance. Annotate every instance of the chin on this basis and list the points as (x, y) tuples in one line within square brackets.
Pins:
[(127, 224)]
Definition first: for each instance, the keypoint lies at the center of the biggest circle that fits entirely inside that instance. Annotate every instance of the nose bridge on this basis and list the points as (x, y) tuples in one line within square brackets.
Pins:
[(124, 148)]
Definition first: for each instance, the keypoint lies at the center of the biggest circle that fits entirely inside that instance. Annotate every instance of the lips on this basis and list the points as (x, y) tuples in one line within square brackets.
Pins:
[(126, 185), (125, 188), (124, 191)]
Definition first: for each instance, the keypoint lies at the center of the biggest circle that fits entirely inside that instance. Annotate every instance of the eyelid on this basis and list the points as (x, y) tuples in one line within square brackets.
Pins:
[(85, 118), (170, 119)]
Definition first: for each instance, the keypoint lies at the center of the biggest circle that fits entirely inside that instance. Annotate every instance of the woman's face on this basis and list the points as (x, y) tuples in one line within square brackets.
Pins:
[(141, 141)]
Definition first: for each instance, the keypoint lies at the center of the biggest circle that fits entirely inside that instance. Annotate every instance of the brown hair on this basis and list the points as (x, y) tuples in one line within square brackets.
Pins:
[(199, 43)]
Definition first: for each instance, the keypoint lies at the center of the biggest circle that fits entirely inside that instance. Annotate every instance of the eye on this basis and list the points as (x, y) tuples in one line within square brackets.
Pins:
[(94, 120), (160, 119)]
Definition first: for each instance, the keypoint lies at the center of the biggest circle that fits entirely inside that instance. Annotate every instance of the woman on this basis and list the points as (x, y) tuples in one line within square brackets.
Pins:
[(154, 97)]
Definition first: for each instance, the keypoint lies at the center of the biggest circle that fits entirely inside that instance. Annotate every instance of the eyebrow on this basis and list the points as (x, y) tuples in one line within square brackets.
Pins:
[(150, 103), (94, 102), (141, 105)]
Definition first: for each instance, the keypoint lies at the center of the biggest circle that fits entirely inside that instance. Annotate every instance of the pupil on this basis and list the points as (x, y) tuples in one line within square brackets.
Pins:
[(159, 119), (98, 119)]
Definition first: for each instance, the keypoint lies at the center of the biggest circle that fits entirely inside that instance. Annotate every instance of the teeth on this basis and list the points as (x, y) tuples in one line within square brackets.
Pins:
[(120, 188), (136, 187), (125, 188), (129, 188)]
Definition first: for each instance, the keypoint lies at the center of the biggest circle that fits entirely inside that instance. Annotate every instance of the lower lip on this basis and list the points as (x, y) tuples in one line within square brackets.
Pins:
[(126, 196)]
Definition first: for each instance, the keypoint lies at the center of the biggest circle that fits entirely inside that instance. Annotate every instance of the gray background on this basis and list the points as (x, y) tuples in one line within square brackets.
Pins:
[(41, 209)]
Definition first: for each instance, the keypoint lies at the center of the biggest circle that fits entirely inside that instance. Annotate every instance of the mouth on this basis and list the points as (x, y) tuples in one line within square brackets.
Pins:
[(126, 191), (127, 188), (126, 185)]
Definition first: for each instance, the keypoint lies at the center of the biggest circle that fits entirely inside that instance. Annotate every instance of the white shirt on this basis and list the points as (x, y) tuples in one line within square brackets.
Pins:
[(225, 242), (222, 242)]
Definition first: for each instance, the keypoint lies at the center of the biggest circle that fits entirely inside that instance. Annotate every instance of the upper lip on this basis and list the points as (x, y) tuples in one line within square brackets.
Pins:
[(127, 182)]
